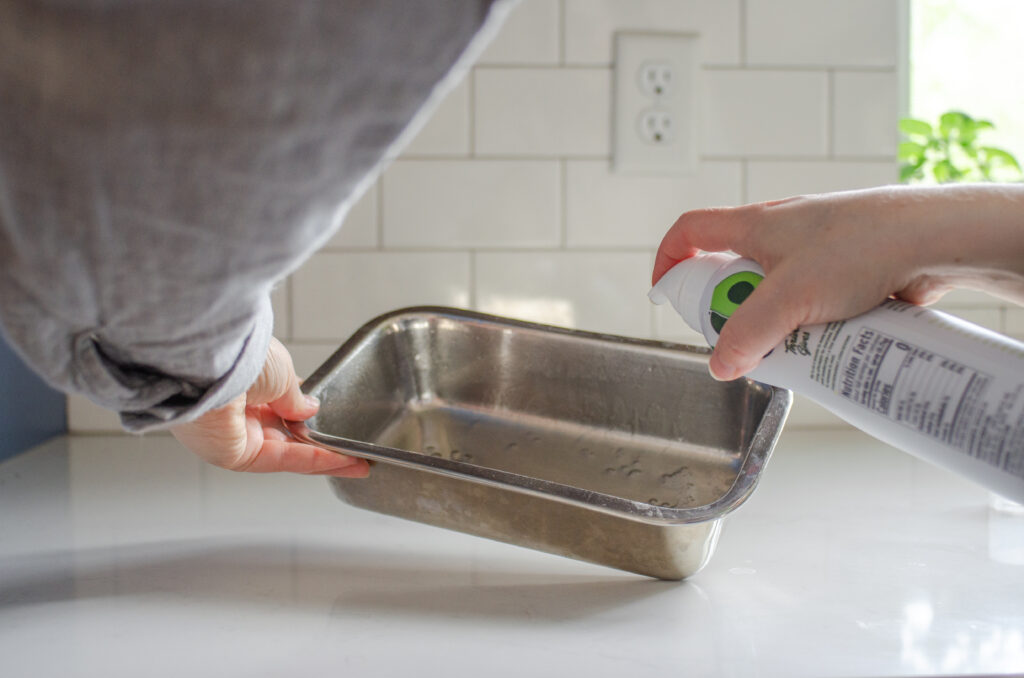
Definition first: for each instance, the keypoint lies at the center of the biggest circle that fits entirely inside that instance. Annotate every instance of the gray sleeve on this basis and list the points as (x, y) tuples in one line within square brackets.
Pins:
[(162, 164)]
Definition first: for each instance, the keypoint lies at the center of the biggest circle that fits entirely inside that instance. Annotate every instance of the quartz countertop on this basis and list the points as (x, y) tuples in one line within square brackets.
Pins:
[(126, 556)]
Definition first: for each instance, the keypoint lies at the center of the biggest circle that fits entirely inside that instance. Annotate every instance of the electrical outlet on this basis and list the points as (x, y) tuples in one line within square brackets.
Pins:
[(655, 126), (655, 78), (655, 103)]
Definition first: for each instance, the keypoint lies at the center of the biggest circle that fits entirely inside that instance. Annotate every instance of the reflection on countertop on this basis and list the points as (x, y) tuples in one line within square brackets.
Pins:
[(125, 556)]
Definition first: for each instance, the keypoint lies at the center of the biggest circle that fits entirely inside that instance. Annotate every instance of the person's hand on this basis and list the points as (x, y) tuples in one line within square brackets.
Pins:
[(833, 256), (247, 434)]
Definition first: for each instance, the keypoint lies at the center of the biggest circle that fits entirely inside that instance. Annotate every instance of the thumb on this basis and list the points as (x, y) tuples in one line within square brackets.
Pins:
[(757, 326), (278, 387), (713, 230)]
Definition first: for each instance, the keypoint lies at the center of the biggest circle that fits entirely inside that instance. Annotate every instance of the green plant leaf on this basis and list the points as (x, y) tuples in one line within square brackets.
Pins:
[(908, 172), (949, 151), (999, 155), (911, 151), (945, 171), (953, 120), (967, 136), (913, 126)]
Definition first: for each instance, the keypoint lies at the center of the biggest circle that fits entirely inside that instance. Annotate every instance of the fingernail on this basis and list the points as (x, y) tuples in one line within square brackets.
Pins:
[(721, 370), (312, 402)]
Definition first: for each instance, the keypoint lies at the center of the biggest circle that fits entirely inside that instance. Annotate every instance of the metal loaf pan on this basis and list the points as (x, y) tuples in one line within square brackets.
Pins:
[(616, 451)]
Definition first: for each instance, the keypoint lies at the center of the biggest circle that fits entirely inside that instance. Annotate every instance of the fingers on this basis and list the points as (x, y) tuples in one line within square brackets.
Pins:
[(272, 450), (246, 434), (711, 230), (219, 436), (755, 327), (278, 386), (760, 323), (277, 454), (923, 291), (240, 438)]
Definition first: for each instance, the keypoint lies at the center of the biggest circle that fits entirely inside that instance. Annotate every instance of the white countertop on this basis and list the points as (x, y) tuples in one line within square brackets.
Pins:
[(124, 556)]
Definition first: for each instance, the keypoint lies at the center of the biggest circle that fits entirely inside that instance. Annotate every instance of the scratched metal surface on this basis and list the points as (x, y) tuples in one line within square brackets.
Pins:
[(617, 451)]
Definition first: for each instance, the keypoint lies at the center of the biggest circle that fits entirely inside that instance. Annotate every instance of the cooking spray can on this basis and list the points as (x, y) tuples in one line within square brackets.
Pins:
[(936, 386)]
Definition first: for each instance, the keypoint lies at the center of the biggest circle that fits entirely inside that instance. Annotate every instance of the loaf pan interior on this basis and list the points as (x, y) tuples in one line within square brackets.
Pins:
[(632, 419)]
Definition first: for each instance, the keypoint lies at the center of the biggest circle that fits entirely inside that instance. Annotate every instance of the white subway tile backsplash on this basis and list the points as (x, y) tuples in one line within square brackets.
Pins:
[(282, 315), (447, 130), (463, 203), (84, 416), (359, 230), (1013, 322), (866, 114), (964, 298), (989, 318), (752, 113), (770, 180), (822, 32), (669, 326), (545, 112), (598, 291), (604, 209), (335, 293), (530, 35), (806, 413), (590, 25), (308, 356)]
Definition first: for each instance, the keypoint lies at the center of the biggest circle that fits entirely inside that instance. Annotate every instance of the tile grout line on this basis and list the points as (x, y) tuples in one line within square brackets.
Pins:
[(505, 158), (743, 32), (774, 157), (708, 66), (628, 249), (553, 66), (561, 33), (796, 68)]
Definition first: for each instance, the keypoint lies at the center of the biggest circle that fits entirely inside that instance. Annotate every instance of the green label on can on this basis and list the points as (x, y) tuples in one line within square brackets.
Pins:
[(729, 294)]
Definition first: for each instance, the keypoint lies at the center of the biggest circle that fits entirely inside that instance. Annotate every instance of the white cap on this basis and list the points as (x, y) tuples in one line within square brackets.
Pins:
[(684, 284)]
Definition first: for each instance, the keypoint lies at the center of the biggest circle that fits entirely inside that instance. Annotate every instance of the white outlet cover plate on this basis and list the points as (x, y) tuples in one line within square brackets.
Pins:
[(657, 56)]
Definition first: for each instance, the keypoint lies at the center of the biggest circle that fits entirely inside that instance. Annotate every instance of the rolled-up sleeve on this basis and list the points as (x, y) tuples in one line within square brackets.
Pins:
[(164, 164)]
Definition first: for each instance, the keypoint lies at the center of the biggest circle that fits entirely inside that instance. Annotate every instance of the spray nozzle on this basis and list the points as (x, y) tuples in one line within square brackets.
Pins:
[(656, 295), (684, 284)]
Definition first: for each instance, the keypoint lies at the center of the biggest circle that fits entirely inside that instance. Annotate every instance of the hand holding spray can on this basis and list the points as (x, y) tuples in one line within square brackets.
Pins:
[(926, 382)]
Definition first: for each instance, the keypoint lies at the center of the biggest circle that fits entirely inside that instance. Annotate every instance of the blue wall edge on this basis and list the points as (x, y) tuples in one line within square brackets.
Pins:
[(30, 411)]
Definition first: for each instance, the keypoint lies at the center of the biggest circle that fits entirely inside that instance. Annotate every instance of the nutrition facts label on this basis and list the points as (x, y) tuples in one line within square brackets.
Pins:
[(940, 397)]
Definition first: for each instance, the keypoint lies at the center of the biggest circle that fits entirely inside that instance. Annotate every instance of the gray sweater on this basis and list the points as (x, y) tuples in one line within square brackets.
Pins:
[(164, 162)]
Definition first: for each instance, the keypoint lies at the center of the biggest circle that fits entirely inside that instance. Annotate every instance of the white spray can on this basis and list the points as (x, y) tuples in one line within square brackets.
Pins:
[(926, 382)]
